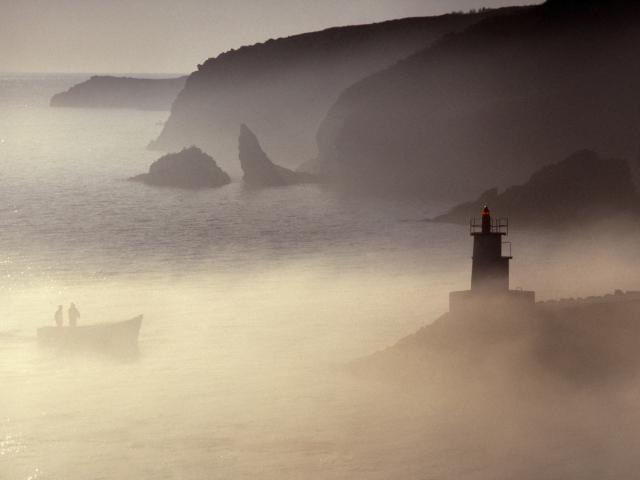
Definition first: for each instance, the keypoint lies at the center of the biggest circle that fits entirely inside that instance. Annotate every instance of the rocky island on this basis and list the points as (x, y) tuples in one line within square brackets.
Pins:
[(121, 92), (259, 170), (191, 168), (581, 189)]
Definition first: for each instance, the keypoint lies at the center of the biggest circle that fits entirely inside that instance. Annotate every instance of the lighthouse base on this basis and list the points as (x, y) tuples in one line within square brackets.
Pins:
[(469, 302)]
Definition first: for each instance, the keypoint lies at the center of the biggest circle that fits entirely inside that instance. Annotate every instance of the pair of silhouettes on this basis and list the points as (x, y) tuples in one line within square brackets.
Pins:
[(73, 313)]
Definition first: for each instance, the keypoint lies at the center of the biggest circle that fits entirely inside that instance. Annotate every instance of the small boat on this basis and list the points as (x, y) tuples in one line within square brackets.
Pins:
[(117, 337)]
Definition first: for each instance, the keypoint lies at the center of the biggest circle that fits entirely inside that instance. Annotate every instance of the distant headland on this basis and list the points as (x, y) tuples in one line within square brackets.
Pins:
[(121, 92)]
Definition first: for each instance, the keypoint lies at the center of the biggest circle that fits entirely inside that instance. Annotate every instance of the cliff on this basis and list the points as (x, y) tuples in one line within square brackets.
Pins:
[(191, 168), (259, 170), (121, 92), (284, 87), (580, 189), (490, 105)]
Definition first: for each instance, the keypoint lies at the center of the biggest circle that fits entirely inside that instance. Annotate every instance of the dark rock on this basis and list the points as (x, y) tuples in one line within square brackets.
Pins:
[(259, 170), (190, 168), (121, 92), (583, 188)]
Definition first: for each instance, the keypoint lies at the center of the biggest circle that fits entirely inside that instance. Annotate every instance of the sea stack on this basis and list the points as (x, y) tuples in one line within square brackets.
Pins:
[(259, 170), (191, 168)]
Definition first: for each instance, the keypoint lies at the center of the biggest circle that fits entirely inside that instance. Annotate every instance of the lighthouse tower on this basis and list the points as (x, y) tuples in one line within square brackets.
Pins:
[(490, 268), (489, 272)]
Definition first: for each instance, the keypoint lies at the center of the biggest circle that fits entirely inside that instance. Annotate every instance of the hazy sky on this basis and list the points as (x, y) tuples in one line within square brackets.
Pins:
[(132, 36)]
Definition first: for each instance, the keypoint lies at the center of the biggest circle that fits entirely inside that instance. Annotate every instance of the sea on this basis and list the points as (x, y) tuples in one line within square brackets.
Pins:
[(254, 300)]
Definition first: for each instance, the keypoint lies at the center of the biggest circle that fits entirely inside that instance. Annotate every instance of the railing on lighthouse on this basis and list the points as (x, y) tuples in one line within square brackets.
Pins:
[(497, 225)]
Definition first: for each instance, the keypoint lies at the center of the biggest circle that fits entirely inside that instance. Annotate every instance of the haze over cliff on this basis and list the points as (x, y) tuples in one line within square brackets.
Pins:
[(489, 105), (284, 87)]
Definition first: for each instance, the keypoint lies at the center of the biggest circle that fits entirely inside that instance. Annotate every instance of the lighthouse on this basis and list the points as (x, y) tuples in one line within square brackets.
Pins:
[(489, 271), (490, 268)]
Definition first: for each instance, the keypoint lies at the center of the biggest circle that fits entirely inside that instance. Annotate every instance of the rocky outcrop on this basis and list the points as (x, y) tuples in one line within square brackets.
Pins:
[(121, 92), (537, 383), (490, 105), (284, 87), (191, 168), (587, 342), (584, 188), (258, 170)]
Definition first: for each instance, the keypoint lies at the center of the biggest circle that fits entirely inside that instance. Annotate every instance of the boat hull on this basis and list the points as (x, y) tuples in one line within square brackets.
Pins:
[(119, 337)]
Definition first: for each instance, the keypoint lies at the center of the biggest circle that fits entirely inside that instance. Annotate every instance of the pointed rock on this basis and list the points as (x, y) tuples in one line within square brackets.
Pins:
[(259, 170)]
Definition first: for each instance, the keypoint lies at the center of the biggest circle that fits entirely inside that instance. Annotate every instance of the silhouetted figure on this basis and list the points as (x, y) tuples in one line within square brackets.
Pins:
[(58, 316), (74, 315)]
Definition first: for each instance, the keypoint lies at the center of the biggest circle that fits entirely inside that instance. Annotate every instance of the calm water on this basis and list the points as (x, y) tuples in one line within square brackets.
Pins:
[(252, 300)]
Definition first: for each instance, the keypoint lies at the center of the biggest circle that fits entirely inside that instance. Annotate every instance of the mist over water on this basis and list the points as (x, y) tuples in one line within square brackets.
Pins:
[(253, 301)]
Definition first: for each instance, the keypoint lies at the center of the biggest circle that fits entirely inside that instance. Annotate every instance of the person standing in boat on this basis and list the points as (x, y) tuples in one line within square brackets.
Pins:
[(74, 315), (58, 316)]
